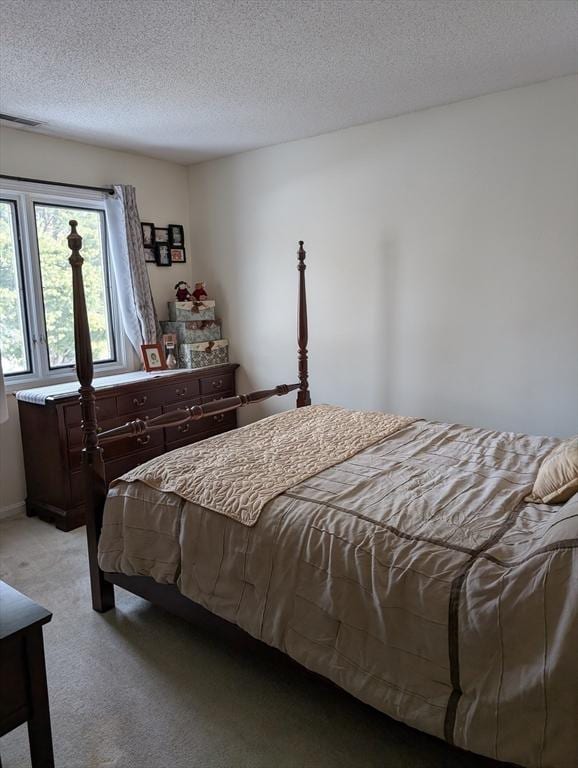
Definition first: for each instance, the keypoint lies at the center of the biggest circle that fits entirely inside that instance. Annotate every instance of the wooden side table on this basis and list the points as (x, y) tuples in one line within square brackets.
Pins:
[(24, 694)]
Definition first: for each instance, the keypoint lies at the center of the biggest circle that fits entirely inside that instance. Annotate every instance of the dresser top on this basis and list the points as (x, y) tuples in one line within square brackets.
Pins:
[(18, 612), (56, 392)]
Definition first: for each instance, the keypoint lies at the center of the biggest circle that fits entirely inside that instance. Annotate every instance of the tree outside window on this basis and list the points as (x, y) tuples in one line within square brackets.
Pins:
[(36, 310)]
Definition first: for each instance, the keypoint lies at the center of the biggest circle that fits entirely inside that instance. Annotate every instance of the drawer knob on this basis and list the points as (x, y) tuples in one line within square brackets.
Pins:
[(217, 383), (181, 392), (184, 428), (145, 440), (139, 402), (218, 417)]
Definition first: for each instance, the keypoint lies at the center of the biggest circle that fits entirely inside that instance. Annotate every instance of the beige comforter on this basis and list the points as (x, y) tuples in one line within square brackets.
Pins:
[(411, 574)]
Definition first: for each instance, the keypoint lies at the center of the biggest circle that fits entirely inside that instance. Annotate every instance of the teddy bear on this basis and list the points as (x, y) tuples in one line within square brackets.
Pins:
[(200, 293)]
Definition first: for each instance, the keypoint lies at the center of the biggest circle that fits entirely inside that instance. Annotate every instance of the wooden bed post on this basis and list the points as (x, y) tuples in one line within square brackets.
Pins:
[(92, 462), (303, 394), (93, 467)]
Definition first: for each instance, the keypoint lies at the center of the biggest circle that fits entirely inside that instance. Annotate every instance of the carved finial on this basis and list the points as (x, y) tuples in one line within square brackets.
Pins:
[(75, 244), (301, 255)]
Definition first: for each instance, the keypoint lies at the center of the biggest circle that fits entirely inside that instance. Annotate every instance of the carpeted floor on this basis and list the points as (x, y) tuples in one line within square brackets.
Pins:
[(138, 688)]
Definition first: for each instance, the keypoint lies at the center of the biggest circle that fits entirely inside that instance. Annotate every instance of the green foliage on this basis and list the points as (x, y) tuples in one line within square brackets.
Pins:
[(52, 229), (11, 321)]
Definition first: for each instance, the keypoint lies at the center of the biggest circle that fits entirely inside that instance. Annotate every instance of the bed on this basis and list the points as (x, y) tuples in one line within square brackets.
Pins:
[(395, 556)]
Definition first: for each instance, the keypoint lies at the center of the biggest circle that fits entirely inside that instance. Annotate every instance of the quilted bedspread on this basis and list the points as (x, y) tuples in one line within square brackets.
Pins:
[(237, 473), (412, 574)]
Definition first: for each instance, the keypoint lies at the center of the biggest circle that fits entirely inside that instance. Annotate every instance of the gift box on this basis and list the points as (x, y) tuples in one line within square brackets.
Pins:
[(193, 331), (191, 310), (204, 353)]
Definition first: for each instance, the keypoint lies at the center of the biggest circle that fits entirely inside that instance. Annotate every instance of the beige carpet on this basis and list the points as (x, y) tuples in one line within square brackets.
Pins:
[(137, 688)]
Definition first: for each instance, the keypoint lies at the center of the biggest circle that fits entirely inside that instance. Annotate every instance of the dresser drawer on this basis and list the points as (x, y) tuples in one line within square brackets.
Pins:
[(168, 407), (116, 448), (220, 421), (220, 383), (118, 467), (220, 396), (210, 429), (138, 402), (113, 470), (133, 444), (105, 409), (183, 431), (157, 396), (177, 392), (74, 434)]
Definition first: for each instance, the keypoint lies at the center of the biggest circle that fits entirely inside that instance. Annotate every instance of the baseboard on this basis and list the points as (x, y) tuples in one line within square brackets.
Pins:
[(13, 510)]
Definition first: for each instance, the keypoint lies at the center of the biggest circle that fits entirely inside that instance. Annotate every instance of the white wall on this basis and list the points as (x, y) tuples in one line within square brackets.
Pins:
[(161, 187), (163, 198), (442, 267)]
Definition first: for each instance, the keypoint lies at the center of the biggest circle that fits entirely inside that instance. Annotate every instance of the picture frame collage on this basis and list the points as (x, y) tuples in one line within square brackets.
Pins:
[(163, 246)]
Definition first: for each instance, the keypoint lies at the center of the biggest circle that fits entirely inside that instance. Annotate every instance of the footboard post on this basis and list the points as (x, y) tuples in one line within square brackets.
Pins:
[(92, 463), (303, 395)]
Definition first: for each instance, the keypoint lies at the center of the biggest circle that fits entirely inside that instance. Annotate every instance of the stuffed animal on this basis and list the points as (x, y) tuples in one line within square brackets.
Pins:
[(200, 293), (183, 291)]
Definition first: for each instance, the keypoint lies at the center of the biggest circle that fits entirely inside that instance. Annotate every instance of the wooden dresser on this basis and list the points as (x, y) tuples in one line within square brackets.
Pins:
[(52, 435)]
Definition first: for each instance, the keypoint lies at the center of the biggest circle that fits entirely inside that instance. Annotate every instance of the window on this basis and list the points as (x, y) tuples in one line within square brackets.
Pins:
[(36, 310), (14, 336)]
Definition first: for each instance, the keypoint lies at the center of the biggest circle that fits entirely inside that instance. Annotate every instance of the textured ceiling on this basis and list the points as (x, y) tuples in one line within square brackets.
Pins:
[(192, 79)]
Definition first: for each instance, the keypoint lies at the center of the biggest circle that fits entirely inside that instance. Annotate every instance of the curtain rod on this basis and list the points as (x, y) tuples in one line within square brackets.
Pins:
[(108, 190)]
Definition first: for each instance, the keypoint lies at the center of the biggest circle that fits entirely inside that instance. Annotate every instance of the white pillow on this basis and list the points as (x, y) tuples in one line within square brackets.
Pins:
[(557, 479)]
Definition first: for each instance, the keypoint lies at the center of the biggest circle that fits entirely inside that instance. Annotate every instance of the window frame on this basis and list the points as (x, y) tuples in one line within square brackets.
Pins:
[(25, 196), (22, 292)]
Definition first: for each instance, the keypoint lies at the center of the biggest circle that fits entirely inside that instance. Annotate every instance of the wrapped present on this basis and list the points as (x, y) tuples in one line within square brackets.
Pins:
[(204, 353), (191, 310), (193, 331)]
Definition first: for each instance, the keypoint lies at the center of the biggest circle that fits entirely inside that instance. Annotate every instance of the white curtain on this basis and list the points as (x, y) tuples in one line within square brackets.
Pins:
[(3, 403), (130, 271)]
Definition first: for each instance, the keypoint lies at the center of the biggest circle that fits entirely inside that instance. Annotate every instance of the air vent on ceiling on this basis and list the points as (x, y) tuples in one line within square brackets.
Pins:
[(20, 120)]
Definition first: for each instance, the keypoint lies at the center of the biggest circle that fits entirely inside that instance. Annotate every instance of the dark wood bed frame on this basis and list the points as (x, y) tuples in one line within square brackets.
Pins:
[(102, 584), (167, 596)]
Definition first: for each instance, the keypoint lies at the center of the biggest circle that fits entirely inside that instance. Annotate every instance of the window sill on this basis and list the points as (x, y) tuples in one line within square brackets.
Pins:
[(13, 385)]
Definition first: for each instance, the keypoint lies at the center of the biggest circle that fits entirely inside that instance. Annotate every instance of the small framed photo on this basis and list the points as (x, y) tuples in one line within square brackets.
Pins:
[(153, 357), (148, 234), (163, 255), (150, 257), (178, 255), (161, 235), (176, 236)]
